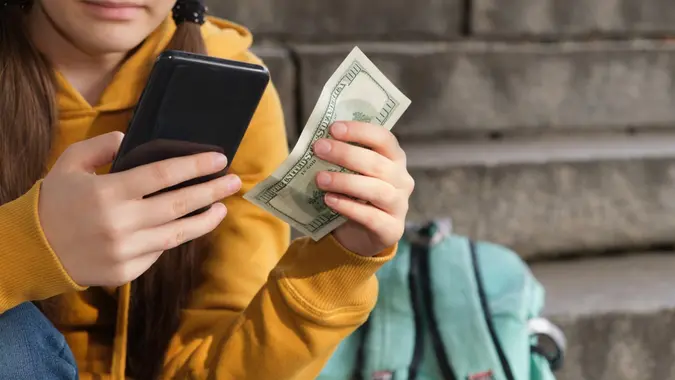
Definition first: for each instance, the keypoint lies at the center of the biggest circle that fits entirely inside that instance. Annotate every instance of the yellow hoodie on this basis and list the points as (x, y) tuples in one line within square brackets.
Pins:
[(266, 310)]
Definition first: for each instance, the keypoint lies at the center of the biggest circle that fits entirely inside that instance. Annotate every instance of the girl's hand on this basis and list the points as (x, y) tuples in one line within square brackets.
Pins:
[(382, 189), (101, 227)]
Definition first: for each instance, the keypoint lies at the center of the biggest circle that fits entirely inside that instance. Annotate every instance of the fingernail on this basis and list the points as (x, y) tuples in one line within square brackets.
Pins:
[(339, 129), (233, 183), (219, 160), (322, 147), (323, 179), (331, 199), (219, 209)]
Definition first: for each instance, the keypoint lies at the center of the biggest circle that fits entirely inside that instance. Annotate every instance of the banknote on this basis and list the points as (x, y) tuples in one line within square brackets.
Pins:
[(357, 91)]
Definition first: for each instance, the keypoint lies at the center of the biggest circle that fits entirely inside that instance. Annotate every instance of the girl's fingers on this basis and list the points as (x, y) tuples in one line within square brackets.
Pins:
[(386, 227), (175, 233), (164, 208), (371, 136), (151, 178), (372, 190), (134, 268), (357, 159)]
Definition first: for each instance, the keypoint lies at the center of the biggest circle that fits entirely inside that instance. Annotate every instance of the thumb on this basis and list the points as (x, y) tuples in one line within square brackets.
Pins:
[(92, 153)]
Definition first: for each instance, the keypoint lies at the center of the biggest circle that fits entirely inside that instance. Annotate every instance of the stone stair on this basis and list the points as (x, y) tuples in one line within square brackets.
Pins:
[(544, 125), (618, 314)]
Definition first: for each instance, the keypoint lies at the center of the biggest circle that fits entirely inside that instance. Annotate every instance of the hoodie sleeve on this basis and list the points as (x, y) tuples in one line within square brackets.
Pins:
[(317, 296), (29, 270), (267, 310)]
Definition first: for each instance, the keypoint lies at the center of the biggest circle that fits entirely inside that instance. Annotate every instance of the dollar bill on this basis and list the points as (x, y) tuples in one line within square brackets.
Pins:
[(357, 91)]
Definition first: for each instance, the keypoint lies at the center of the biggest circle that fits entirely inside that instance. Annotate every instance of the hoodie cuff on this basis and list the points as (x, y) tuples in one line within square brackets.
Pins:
[(328, 283), (30, 270)]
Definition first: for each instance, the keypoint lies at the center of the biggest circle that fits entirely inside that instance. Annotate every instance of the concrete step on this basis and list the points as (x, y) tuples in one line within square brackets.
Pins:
[(551, 197), (565, 18), (479, 88), (618, 314), (380, 20), (514, 87), (301, 20)]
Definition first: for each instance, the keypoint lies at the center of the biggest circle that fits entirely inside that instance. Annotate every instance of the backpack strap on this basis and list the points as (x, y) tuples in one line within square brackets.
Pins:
[(415, 250), (420, 259), (487, 314)]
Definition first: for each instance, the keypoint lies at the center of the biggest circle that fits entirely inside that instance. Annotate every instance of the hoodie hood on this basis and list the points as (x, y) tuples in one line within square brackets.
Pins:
[(223, 39)]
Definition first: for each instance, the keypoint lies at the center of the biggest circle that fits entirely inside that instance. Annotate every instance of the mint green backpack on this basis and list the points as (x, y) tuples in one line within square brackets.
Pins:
[(452, 309)]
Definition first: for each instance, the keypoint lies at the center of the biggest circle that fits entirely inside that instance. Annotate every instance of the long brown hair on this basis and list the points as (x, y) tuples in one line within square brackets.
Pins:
[(28, 120)]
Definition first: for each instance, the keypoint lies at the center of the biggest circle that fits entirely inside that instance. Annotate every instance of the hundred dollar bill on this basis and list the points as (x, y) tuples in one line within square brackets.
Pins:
[(357, 91)]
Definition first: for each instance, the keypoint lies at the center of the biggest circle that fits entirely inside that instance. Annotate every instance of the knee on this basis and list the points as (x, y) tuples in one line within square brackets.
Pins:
[(32, 348)]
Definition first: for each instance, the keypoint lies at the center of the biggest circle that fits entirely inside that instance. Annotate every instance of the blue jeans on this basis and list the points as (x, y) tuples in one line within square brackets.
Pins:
[(32, 348)]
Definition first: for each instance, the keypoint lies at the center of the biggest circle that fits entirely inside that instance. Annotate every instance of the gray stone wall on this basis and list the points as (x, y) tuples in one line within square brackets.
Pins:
[(545, 125), (564, 18)]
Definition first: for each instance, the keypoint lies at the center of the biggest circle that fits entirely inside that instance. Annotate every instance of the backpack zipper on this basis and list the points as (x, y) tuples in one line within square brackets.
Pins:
[(488, 315)]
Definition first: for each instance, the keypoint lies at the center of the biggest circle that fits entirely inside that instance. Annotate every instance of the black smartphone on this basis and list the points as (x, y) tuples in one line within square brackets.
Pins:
[(192, 104)]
